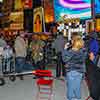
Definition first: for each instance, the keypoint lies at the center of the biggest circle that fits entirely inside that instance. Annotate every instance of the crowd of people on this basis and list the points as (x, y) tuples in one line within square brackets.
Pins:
[(72, 57), (80, 63), (77, 60)]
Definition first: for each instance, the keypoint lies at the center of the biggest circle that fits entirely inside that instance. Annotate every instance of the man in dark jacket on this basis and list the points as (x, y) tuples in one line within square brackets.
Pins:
[(93, 72), (58, 45)]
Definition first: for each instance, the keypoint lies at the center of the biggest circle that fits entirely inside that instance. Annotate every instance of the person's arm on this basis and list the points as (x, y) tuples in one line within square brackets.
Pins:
[(66, 46), (91, 56), (94, 47), (66, 56)]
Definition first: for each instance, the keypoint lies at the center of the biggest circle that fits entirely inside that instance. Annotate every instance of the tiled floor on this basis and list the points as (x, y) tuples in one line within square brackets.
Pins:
[(27, 89)]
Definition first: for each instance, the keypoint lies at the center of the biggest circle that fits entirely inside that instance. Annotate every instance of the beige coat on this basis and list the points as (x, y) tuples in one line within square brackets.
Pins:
[(20, 47)]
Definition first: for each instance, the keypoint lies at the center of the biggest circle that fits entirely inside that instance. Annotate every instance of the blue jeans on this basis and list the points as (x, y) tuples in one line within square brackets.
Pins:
[(74, 80), (20, 62)]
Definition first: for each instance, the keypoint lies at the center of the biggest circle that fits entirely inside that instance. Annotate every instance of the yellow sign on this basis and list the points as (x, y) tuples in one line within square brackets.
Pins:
[(89, 26), (71, 20), (38, 19), (17, 20), (98, 24), (18, 4)]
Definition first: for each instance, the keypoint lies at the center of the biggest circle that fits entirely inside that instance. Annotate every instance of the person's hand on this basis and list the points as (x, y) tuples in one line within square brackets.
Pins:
[(66, 65), (91, 56), (66, 46)]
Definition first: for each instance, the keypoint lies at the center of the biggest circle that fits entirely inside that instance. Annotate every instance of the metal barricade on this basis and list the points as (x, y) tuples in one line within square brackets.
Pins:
[(7, 67)]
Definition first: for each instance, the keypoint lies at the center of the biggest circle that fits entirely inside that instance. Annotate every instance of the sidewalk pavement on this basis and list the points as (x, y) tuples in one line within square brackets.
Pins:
[(27, 89)]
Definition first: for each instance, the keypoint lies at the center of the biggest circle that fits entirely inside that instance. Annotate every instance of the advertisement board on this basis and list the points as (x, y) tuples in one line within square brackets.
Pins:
[(97, 6), (89, 26), (98, 24), (17, 19), (72, 9), (18, 4), (28, 4), (48, 11), (22, 4), (38, 20)]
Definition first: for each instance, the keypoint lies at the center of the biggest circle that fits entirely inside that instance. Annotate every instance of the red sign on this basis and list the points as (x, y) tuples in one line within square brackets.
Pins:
[(28, 4)]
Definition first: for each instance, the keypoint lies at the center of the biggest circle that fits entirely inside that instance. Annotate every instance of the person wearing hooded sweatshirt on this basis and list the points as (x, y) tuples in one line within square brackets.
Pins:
[(74, 60)]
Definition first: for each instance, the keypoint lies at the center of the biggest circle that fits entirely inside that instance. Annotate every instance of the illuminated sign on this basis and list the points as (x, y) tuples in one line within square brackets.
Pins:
[(48, 11), (89, 26), (72, 8), (17, 20), (18, 4), (21, 4), (97, 6), (28, 4), (98, 24), (38, 20)]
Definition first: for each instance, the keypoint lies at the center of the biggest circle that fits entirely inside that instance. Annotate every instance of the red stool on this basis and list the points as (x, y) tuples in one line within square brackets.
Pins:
[(45, 84)]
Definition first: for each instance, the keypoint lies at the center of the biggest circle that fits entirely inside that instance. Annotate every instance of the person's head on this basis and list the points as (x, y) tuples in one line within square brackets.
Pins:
[(74, 34), (35, 37), (21, 33), (77, 42)]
